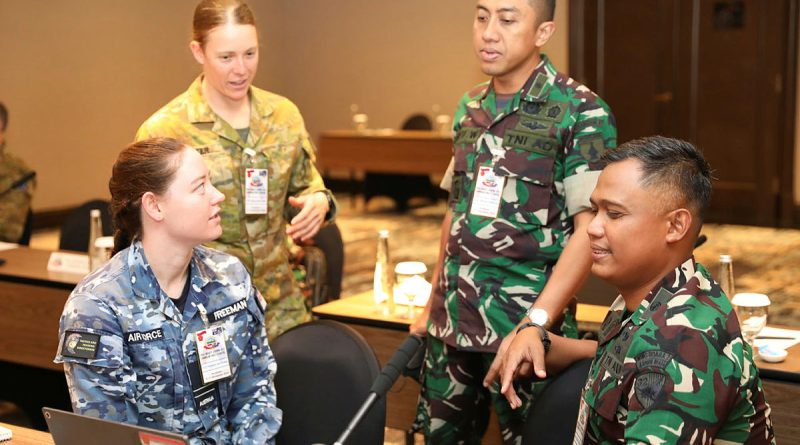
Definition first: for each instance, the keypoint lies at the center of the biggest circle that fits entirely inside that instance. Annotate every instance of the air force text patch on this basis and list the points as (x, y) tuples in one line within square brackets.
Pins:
[(143, 337), (80, 344)]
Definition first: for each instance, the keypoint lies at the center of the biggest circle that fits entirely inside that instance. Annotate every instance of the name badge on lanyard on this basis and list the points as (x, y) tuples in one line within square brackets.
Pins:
[(580, 427), (255, 187), (212, 353), (488, 192)]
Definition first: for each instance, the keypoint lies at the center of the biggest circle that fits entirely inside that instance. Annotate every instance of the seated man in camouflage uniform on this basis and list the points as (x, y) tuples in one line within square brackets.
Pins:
[(15, 193), (671, 366)]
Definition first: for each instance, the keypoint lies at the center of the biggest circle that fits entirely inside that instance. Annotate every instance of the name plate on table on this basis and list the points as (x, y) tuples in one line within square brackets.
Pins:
[(74, 263)]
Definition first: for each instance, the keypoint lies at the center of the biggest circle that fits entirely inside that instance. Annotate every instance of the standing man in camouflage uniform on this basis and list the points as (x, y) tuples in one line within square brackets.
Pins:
[(15, 199), (525, 151), (671, 366), (259, 153), (136, 335)]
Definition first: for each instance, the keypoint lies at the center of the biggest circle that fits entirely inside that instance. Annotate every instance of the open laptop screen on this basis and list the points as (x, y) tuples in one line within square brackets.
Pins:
[(74, 429)]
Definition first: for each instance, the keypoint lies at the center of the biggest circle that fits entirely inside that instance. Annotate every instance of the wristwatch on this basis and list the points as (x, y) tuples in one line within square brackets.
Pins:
[(539, 316), (542, 333)]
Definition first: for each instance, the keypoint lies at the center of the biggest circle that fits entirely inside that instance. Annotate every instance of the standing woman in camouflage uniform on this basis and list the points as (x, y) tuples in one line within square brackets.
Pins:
[(259, 153), (131, 331)]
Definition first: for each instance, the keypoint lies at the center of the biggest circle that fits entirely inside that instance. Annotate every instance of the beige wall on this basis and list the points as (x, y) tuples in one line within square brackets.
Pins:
[(79, 76)]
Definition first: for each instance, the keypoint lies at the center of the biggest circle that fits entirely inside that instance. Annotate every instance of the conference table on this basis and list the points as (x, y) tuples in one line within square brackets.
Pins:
[(385, 151), (385, 333), (26, 436)]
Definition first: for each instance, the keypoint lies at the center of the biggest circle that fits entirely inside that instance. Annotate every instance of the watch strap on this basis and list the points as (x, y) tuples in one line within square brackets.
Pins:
[(543, 334)]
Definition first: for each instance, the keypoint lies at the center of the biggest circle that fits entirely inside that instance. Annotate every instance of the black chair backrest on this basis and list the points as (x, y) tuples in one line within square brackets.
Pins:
[(325, 370), (554, 414), (417, 122), (25, 239), (75, 228), (329, 240)]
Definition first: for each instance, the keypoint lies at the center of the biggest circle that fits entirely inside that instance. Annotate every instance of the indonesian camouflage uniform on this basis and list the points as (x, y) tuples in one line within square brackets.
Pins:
[(675, 371), (546, 144), (129, 354), (14, 202), (282, 146)]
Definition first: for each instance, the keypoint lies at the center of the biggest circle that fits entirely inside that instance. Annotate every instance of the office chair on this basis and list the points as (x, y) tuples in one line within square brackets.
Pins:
[(75, 228), (25, 239), (329, 241), (552, 418), (325, 370), (402, 187)]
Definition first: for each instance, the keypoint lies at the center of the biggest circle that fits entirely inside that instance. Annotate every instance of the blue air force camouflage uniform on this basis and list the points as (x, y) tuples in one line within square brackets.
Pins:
[(280, 144), (128, 353), (546, 143), (675, 371)]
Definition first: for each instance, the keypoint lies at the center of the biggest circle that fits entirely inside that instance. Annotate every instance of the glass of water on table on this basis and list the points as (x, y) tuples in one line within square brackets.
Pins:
[(410, 279), (751, 309)]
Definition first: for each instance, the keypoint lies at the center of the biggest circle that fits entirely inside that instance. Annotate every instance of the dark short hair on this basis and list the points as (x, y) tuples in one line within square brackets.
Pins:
[(3, 117), (676, 166), (545, 8)]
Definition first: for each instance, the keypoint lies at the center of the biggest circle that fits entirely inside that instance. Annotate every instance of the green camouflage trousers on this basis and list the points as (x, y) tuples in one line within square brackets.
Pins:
[(454, 406)]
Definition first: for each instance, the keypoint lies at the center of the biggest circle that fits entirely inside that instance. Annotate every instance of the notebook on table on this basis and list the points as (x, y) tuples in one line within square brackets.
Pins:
[(74, 429)]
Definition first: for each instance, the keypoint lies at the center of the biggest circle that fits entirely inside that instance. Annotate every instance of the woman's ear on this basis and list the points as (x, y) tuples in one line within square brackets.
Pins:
[(152, 207), (679, 224), (197, 52)]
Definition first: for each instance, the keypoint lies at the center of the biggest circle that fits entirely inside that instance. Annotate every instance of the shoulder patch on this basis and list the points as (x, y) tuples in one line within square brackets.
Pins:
[(80, 344), (649, 387), (653, 359)]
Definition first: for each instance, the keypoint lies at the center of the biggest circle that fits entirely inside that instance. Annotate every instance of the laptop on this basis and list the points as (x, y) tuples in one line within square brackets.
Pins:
[(75, 429)]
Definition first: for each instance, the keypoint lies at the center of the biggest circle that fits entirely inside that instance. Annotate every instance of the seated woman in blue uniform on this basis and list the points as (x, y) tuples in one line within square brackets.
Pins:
[(170, 334)]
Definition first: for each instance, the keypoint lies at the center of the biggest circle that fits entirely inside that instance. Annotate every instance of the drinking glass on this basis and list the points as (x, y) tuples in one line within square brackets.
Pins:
[(751, 309), (410, 282)]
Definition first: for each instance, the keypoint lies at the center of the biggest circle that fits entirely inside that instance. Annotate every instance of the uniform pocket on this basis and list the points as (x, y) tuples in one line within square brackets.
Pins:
[(528, 188)]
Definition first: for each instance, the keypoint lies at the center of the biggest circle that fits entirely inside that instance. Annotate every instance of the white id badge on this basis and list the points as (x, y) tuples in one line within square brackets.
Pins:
[(488, 191), (213, 354), (255, 191), (580, 427)]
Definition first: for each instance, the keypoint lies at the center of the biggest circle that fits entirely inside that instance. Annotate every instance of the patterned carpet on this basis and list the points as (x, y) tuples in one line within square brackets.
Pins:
[(765, 260)]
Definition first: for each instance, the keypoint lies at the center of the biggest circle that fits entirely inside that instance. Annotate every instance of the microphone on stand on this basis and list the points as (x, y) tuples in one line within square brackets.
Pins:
[(25, 178), (385, 380)]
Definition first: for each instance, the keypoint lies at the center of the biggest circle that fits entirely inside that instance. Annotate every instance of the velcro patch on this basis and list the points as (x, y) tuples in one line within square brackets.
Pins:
[(80, 344), (143, 337), (228, 310), (530, 142), (468, 135)]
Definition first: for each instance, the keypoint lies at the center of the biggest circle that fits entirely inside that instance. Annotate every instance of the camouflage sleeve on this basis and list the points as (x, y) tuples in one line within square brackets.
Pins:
[(593, 132), (305, 177), (673, 399), (100, 379), (15, 203), (253, 413)]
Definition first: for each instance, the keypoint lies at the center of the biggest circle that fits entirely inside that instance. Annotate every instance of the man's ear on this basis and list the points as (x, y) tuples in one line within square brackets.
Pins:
[(152, 207), (544, 32), (197, 52), (679, 225)]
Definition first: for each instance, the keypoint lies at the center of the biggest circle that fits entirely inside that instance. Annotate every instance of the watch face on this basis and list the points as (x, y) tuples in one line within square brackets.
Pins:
[(538, 316)]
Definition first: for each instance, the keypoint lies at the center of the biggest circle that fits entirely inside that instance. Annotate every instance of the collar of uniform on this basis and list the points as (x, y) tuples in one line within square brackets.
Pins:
[(660, 295), (539, 84)]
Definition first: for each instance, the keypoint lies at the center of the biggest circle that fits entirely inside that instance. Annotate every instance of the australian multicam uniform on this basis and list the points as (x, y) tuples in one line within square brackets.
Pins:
[(128, 352), (281, 145), (675, 371), (14, 204), (546, 143)]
